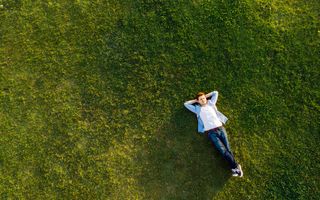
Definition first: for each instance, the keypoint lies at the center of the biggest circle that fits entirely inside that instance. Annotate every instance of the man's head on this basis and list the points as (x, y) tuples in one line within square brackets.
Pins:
[(201, 98)]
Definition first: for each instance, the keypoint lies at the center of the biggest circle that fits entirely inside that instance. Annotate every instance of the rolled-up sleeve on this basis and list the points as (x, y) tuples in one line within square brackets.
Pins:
[(190, 107), (214, 98)]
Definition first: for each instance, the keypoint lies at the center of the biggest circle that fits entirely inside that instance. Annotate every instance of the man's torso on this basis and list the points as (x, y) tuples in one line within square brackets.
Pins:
[(209, 117)]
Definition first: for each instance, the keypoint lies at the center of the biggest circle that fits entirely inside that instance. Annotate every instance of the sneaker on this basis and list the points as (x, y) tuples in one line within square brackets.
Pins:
[(235, 172), (240, 172)]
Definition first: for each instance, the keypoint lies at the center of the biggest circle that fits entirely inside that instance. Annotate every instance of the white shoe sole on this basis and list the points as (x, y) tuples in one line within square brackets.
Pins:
[(239, 167)]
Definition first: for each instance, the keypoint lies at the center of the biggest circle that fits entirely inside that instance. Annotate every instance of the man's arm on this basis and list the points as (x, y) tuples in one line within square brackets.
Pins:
[(214, 97), (191, 101), (189, 106), (209, 94)]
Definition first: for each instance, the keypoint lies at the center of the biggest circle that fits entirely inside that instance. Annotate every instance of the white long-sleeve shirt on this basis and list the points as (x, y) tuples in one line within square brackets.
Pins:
[(209, 117)]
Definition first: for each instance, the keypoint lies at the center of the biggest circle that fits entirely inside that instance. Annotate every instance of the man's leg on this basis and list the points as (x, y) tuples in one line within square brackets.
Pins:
[(224, 138), (213, 136)]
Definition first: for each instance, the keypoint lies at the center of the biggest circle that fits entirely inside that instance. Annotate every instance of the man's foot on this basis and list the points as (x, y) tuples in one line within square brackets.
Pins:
[(237, 171), (240, 171)]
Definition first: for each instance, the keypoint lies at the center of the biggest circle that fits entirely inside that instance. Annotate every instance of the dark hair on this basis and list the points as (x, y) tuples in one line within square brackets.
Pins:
[(200, 94)]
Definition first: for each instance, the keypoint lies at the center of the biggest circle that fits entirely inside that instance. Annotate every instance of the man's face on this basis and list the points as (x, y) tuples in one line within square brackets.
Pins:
[(202, 100)]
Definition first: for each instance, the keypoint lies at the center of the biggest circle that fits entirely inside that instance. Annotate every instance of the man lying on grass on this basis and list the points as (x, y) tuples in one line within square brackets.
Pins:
[(210, 121)]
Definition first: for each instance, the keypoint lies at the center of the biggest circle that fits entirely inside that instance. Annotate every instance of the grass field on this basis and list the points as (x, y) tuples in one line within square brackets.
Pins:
[(92, 93)]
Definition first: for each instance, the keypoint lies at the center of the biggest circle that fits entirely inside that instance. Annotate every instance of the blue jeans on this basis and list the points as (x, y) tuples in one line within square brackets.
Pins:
[(219, 139)]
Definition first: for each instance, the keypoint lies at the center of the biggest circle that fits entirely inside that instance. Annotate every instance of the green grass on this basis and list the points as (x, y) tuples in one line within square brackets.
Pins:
[(92, 93)]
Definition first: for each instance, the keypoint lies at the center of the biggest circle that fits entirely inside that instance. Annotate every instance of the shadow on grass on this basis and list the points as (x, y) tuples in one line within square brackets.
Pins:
[(179, 163)]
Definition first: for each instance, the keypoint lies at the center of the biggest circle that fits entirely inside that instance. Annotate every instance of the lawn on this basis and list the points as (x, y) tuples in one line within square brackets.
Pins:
[(92, 93)]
